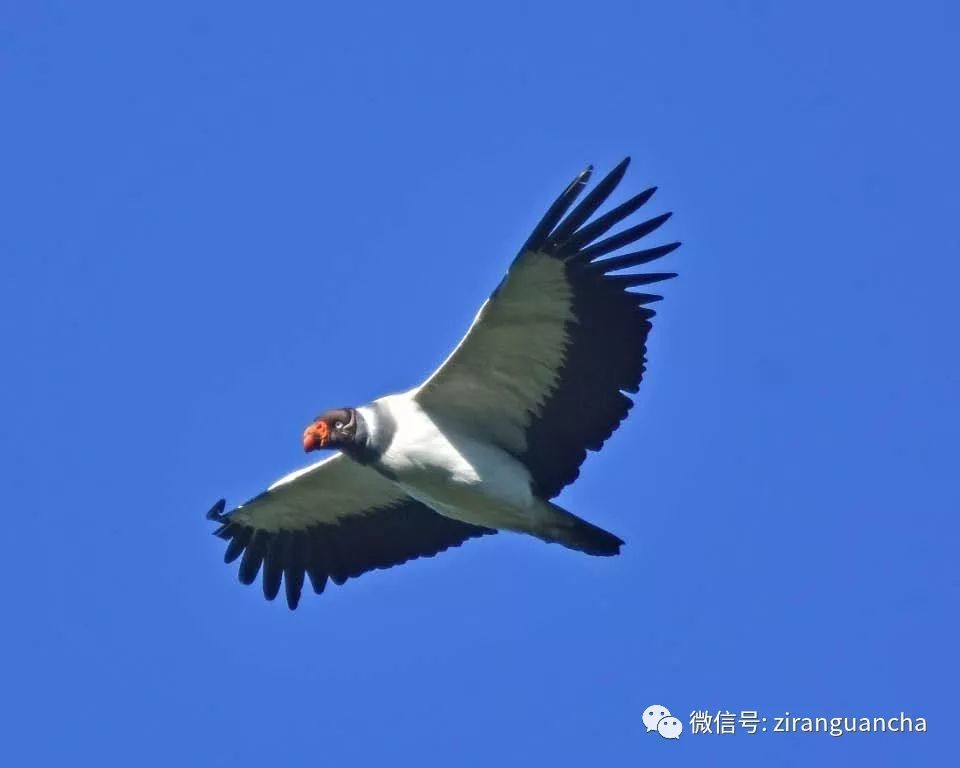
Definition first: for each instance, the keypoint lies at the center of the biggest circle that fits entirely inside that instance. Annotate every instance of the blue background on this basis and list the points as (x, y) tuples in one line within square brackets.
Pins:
[(221, 218)]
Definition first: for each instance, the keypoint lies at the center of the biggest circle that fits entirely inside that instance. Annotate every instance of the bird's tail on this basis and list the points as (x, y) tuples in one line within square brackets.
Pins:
[(558, 525)]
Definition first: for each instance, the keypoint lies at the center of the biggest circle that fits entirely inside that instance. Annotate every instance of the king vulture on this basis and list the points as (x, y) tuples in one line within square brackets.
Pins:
[(483, 445)]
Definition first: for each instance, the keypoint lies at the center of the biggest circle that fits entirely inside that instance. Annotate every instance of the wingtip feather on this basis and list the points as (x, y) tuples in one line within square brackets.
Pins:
[(215, 512)]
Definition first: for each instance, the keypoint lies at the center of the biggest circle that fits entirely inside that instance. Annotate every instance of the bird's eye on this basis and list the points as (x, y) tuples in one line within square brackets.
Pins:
[(339, 425)]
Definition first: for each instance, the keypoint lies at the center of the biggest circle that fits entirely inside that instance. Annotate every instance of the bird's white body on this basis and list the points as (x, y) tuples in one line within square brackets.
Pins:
[(446, 469)]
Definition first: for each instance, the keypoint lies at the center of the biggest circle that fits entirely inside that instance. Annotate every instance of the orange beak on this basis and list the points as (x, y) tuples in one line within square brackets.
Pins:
[(317, 435)]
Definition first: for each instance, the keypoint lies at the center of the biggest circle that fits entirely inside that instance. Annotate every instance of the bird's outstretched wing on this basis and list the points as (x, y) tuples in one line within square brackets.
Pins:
[(544, 368), (333, 520)]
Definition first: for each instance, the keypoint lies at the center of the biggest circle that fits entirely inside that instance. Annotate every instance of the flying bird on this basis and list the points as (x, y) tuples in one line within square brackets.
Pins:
[(483, 445)]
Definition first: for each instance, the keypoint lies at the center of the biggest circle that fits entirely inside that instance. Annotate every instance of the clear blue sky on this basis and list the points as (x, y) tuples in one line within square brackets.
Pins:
[(221, 218)]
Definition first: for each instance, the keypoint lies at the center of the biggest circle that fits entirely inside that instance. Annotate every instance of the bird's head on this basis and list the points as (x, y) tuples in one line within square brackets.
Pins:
[(333, 429)]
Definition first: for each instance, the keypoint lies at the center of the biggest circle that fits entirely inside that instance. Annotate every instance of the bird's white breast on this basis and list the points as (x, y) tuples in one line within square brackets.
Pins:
[(447, 468)]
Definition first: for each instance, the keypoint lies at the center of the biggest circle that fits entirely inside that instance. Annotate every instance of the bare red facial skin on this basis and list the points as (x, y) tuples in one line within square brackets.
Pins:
[(316, 436)]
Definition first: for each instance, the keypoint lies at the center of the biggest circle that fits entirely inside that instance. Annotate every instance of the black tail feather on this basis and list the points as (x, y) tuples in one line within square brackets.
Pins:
[(576, 533)]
